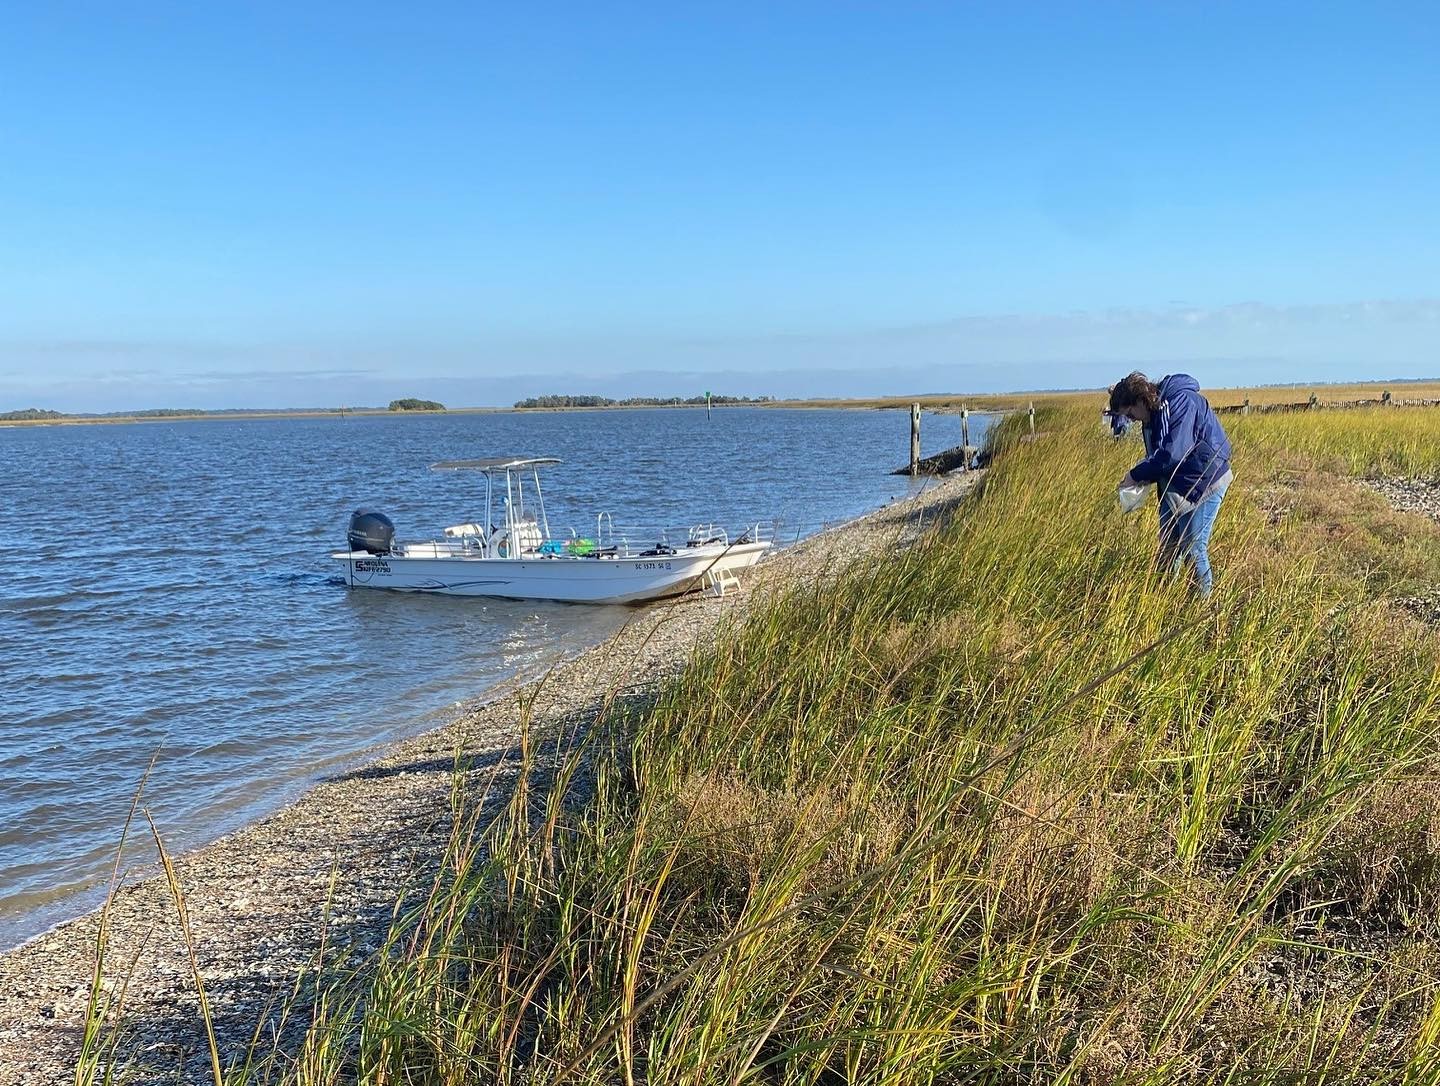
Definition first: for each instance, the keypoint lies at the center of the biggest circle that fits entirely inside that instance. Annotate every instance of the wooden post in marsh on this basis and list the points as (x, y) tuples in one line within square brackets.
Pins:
[(964, 439), (1385, 398), (1245, 407), (914, 439), (1032, 416), (1314, 401)]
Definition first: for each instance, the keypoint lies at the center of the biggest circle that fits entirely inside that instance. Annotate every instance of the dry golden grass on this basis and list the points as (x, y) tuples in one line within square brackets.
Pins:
[(1325, 393), (1220, 397)]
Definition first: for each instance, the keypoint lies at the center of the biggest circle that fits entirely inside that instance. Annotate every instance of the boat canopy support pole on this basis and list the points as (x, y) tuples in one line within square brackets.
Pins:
[(540, 501), (510, 521)]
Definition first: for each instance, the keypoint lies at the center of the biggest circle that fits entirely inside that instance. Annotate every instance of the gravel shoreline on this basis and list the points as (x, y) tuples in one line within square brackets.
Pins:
[(258, 899)]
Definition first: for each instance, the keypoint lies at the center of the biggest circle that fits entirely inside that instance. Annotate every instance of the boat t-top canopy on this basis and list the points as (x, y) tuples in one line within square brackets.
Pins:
[(507, 478), (496, 464)]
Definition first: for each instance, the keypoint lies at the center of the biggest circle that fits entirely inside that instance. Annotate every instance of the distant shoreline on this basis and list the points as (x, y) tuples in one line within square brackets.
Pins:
[(226, 416), (947, 402), (380, 412)]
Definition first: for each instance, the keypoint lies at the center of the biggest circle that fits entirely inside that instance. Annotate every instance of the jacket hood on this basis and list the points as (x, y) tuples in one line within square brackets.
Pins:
[(1177, 382)]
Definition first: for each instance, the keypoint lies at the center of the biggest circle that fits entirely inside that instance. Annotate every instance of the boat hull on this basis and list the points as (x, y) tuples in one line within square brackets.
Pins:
[(569, 580)]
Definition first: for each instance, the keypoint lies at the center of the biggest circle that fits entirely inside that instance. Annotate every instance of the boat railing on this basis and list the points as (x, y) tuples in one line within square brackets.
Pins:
[(683, 535), (468, 546), (611, 539), (761, 531)]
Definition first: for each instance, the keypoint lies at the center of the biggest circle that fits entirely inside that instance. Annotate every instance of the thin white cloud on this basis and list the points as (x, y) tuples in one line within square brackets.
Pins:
[(1245, 343)]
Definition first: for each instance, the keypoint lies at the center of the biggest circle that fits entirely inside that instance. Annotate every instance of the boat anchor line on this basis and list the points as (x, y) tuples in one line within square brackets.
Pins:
[(513, 542)]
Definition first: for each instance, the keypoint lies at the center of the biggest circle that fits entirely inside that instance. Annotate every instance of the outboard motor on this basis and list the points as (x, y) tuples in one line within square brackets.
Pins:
[(371, 532)]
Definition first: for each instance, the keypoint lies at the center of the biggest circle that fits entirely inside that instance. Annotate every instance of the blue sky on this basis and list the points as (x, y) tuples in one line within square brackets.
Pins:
[(267, 205)]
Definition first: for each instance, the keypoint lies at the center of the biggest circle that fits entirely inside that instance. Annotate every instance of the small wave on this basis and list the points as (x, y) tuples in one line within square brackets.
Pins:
[(303, 577)]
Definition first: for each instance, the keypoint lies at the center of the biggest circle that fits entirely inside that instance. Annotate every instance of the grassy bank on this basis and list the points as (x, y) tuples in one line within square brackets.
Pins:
[(1364, 441), (1325, 394), (1005, 807)]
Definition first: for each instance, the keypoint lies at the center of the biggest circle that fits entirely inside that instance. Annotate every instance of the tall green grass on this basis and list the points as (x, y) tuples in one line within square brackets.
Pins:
[(1361, 441), (1008, 806)]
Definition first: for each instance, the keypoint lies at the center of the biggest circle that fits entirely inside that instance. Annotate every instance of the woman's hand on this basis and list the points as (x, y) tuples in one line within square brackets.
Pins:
[(1128, 480)]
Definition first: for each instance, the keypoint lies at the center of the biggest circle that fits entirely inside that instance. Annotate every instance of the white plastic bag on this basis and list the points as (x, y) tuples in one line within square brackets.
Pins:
[(1133, 497)]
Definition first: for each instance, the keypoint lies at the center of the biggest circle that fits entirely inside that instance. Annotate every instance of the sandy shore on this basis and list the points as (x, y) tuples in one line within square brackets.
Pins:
[(258, 899)]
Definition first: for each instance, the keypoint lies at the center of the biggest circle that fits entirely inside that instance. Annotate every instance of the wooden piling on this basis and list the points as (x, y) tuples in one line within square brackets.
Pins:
[(965, 437), (1032, 418), (914, 439)]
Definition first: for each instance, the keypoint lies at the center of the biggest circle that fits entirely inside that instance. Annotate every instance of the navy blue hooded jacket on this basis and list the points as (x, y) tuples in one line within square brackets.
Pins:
[(1187, 450)]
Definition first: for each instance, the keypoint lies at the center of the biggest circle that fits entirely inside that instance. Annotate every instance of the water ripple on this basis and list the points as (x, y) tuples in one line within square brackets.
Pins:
[(171, 593)]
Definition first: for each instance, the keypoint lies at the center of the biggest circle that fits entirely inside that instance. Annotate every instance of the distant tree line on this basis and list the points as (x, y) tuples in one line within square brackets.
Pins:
[(636, 401), (29, 414), (411, 404)]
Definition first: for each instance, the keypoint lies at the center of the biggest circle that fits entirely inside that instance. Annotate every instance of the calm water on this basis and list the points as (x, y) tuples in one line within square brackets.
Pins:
[(169, 593)]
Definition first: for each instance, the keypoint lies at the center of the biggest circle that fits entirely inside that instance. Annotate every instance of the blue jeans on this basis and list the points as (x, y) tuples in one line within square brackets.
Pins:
[(1185, 536)]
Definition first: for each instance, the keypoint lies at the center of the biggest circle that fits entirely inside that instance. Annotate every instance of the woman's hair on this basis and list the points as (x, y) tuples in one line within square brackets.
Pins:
[(1137, 388)]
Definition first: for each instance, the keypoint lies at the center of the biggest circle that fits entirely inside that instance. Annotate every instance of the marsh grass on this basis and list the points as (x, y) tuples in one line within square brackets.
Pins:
[(1325, 393), (1363, 441), (101, 1031), (1007, 806), (1260, 396)]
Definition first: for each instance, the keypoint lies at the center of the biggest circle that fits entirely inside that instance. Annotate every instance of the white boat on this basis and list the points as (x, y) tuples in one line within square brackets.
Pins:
[(510, 553)]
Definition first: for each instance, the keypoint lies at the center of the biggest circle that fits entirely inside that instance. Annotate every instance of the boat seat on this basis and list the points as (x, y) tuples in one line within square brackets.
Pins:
[(463, 530)]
